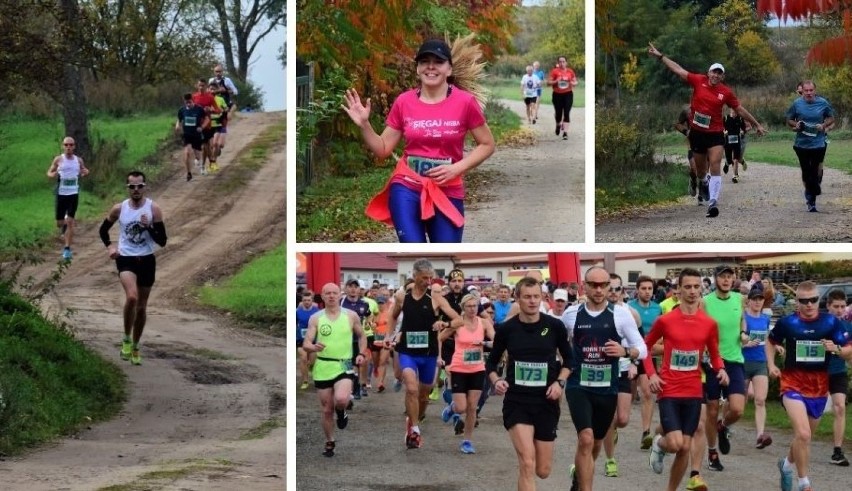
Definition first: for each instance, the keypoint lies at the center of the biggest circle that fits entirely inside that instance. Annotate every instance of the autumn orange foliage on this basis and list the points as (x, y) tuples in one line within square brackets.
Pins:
[(834, 51)]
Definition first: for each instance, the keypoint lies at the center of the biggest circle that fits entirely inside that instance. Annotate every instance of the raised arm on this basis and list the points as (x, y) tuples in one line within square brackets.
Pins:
[(381, 145), (668, 62)]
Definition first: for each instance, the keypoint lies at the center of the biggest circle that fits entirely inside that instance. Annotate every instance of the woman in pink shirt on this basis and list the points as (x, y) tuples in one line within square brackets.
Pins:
[(467, 367), (424, 198)]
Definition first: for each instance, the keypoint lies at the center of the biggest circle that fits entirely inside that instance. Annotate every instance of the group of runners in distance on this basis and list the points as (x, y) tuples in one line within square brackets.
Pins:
[(691, 350), (711, 134), (563, 80), (202, 120)]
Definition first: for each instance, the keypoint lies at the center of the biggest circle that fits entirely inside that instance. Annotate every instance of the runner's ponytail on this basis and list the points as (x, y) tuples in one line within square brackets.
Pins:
[(468, 67)]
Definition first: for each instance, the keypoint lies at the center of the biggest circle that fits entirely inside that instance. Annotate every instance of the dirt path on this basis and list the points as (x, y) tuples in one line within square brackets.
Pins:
[(548, 177), (204, 382), (371, 455), (765, 206)]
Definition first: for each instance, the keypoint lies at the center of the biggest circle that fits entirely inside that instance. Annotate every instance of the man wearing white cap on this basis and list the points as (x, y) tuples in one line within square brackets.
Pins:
[(560, 302), (706, 131)]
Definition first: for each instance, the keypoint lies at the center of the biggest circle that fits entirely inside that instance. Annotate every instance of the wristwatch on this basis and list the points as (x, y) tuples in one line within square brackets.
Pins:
[(560, 382)]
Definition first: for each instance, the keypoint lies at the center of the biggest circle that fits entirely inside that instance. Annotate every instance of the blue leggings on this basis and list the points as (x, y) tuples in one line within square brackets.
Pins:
[(405, 212)]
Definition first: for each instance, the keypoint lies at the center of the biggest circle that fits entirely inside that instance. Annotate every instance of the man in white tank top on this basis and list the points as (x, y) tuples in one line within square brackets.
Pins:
[(67, 169), (141, 226)]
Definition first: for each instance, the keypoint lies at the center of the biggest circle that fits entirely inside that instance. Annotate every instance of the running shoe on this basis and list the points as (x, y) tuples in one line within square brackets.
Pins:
[(397, 385), (725, 168), (203, 171), (611, 468), (808, 198), (724, 438), (700, 199), (356, 395), (575, 486), (364, 392), (656, 455), (447, 413), (647, 439), (713, 462), (135, 357), (696, 483), (188, 176), (342, 418), (564, 135), (467, 447), (712, 210), (126, 350), (763, 441), (304, 385), (214, 167), (786, 480), (66, 253), (735, 179), (812, 208), (329, 449), (458, 425), (837, 458), (413, 440), (435, 394), (381, 388)]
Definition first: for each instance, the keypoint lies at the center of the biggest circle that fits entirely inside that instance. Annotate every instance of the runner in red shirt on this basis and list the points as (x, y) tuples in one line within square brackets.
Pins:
[(687, 331), (206, 100), (706, 131), (563, 80)]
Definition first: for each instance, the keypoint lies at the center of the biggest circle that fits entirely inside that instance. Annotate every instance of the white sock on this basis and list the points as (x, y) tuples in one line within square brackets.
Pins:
[(715, 187), (804, 482), (415, 429)]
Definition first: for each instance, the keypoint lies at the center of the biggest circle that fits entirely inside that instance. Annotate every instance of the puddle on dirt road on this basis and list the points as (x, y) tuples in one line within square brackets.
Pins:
[(205, 370)]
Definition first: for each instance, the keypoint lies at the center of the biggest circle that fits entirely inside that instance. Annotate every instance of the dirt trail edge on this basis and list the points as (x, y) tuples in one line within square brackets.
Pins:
[(549, 176), (204, 383), (767, 205)]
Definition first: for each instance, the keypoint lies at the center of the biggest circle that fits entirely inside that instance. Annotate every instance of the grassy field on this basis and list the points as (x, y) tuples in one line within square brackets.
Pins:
[(511, 89), (27, 149), (50, 383), (257, 292)]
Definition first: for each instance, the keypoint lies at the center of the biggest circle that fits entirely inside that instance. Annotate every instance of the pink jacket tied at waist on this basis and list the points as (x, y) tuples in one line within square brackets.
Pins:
[(431, 197)]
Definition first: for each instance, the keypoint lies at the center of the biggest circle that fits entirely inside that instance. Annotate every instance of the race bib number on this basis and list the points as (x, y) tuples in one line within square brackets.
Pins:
[(378, 338), (347, 366), (530, 374), (472, 356), (810, 351), (810, 130), (302, 332), (684, 361), (72, 182), (417, 339), (595, 375), (421, 165), (701, 120), (562, 84), (530, 92), (759, 336), (190, 121), (733, 139)]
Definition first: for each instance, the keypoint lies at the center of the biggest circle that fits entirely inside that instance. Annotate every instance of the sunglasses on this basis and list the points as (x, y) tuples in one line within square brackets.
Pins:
[(597, 284), (616, 288), (135, 186), (806, 301)]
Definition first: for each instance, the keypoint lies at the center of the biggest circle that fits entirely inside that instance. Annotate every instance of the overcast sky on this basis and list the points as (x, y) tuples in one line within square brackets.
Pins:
[(265, 70)]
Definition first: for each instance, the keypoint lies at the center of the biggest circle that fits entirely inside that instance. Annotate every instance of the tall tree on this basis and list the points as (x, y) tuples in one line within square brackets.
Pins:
[(72, 96), (239, 26)]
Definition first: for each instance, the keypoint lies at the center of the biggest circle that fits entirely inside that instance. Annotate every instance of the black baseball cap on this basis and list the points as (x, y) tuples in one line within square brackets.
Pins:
[(456, 273), (723, 268), (755, 293), (435, 47), (353, 282)]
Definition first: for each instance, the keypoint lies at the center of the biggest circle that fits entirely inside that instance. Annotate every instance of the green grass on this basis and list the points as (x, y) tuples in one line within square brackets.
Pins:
[(263, 429), (50, 383), (165, 478), (641, 187), (26, 151), (776, 417), (252, 157), (257, 292), (511, 90)]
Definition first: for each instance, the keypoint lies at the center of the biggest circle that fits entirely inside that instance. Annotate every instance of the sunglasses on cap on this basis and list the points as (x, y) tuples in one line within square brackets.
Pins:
[(809, 300), (135, 186)]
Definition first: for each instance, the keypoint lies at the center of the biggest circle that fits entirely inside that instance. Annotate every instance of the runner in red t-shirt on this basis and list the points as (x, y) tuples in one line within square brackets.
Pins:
[(207, 101), (687, 331), (706, 132), (563, 80)]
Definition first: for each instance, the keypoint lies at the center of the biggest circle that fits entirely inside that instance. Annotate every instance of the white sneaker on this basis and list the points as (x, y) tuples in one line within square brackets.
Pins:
[(656, 456), (203, 172)]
